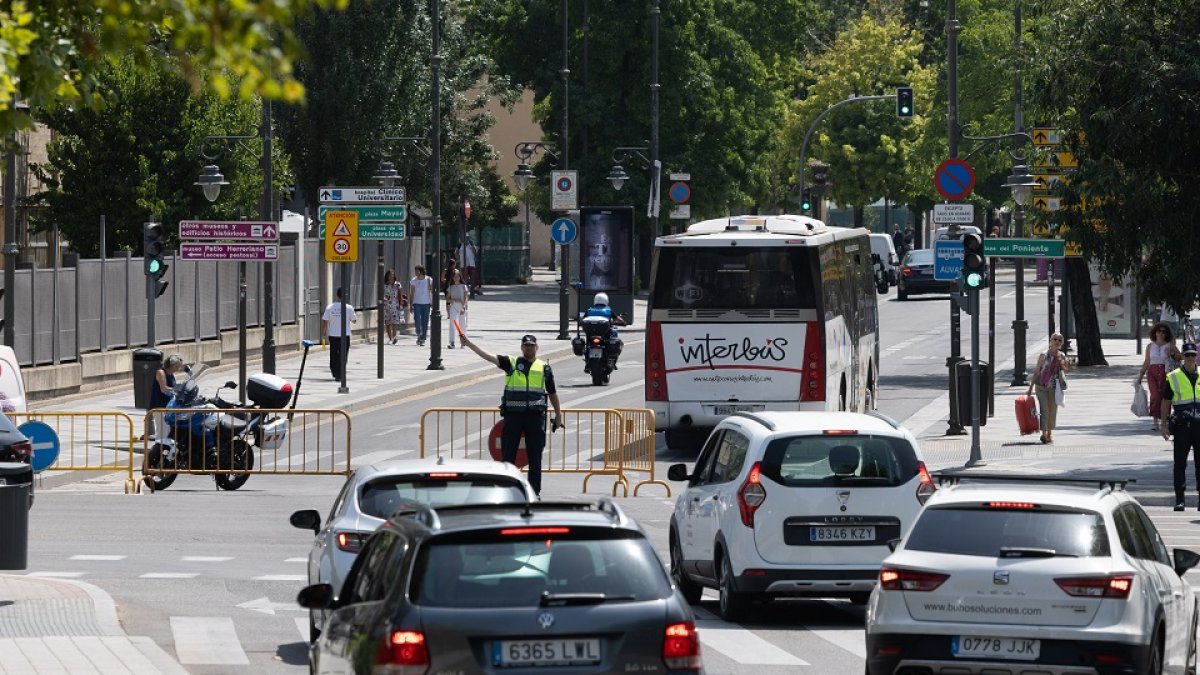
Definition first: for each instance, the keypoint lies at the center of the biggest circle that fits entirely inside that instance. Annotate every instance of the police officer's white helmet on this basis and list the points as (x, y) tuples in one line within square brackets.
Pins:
[(602, 299)]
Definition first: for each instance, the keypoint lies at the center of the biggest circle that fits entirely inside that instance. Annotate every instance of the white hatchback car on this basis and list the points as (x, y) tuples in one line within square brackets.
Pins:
[(1016, 574), (373, 493), (794, 504)]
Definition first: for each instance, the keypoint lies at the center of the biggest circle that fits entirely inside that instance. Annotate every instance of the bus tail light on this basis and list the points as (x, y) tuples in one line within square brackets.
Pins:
[(812, 382), (656, 366)]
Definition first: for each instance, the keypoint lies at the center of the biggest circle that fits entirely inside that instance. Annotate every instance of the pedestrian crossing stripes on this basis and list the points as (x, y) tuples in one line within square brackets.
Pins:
[(207, 640)]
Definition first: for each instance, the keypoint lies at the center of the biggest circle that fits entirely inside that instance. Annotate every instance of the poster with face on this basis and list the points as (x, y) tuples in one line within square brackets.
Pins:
[(606, 250), (1116, 310)]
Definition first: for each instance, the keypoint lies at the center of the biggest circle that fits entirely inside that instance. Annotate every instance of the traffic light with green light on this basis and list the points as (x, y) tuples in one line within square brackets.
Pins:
[(904, 101), (153, 248), (806, 203), (974, 269)]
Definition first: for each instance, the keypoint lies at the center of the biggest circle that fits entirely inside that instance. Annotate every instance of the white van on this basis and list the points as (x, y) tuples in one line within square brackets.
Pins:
[(12, 385), (883, 246), (944, 232)]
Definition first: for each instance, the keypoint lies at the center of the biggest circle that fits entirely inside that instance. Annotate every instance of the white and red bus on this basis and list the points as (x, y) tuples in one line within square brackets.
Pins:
[(757, 313)]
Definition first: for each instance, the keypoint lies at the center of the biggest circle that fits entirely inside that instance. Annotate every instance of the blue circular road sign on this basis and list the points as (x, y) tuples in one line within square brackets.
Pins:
[(680, 192), (45, 444), (954, 179), (563, 231)]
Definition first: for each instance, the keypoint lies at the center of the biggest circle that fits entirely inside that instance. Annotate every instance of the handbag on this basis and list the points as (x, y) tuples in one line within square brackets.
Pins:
[(1141, 404), (1060, 396)]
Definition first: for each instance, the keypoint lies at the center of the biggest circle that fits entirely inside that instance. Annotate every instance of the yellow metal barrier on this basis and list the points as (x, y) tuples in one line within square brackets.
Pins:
[(89, 441), (590, 444), (637, 449), (316, 442)]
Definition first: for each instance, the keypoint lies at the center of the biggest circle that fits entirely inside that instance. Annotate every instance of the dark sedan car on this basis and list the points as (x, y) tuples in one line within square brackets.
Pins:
[(916, 276), (15, 447), (547, 587)]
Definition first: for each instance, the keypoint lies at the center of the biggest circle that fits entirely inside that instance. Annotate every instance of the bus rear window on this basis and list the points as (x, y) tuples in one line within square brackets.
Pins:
[(729, 277)]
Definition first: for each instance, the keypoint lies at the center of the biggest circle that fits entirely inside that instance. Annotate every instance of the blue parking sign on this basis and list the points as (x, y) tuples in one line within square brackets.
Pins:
[(947, 260)]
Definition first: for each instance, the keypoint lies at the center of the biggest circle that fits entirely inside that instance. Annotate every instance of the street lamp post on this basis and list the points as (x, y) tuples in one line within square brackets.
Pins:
[(565, 151), (1021, 183), (524, 151), (211, 180), (435, 161), (11, 248), (655, 167)]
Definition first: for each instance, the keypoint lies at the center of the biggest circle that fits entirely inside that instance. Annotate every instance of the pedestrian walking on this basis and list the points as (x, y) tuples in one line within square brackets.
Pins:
[(1181, 409), (528, 387), (898, 241), (1049, 382), (468, 257), (420, 290), (457, 295), (331, 329), (394, 302), (448, 272), (163, 390), (1161, 355)]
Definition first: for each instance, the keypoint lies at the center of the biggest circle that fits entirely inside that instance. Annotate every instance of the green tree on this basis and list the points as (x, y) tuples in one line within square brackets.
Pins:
[(53, 52), (139, 156), (368, 80)]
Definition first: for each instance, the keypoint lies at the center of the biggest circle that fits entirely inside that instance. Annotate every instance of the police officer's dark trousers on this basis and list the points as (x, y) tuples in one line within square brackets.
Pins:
[(1187, 439), (339, 349), (533, 426)]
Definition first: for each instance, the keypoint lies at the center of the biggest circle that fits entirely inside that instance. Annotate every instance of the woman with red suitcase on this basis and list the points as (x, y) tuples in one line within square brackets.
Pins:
[(1048, 376)]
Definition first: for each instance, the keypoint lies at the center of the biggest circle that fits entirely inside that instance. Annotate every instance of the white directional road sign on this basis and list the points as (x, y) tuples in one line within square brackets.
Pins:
[(229, 229), (363, 195), (204, 251), (564, 231)]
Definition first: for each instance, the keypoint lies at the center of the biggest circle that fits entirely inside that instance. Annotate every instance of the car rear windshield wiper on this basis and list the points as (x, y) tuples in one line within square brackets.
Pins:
[(1013, 552), (564, 599)]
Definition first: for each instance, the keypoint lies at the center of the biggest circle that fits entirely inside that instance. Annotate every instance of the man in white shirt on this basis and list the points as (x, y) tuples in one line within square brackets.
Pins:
[(331, 328)]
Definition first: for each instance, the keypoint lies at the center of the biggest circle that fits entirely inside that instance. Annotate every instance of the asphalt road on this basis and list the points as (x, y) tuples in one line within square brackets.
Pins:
[(212, 576)]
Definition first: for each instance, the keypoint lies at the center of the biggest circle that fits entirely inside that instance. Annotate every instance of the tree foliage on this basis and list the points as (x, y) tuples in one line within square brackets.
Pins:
[(139, 156), (54, 52), (1124, 75)]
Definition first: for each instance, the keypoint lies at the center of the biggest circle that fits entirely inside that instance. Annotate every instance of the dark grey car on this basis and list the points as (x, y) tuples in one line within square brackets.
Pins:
[(529, 588), (916, 276)]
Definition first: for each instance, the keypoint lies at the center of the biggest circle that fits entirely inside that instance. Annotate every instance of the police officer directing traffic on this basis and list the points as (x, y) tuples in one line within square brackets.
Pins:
[(528, 385), (1181, 406)]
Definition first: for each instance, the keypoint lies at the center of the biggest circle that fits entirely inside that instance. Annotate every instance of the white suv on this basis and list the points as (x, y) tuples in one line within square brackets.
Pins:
[(1015, 574), (794, 504)]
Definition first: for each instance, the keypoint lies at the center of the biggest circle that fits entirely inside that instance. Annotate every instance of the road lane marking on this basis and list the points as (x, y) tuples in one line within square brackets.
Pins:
[(296, 560), (168, 575), (56, 575), (206, 558), (302, 626), (740, 644), (211, 640), (97, 557), (282, 577)]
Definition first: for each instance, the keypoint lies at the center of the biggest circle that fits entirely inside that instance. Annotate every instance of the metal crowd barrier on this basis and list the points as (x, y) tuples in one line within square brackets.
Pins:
[(89, 441), (596, 441), (315, 442)]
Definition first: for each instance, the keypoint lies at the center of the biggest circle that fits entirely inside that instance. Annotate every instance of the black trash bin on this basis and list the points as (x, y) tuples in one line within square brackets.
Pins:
[(15, 485), (146, 362), (963, 391)]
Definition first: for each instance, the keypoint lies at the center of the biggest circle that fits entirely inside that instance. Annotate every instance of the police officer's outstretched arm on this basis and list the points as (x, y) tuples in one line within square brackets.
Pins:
[(491, 358)]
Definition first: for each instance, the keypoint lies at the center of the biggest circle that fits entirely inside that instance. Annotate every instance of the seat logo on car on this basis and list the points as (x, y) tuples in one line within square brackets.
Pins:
[(545, 620), (1000, 578)]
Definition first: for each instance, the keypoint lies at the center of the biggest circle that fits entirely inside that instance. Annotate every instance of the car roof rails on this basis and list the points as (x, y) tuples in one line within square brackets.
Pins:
[(755, 418), (878, 415), (1101, 482)]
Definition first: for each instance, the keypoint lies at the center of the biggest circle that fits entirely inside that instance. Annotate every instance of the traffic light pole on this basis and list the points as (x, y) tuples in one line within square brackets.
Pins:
[(812, 127), (952, 28), (976, 453)]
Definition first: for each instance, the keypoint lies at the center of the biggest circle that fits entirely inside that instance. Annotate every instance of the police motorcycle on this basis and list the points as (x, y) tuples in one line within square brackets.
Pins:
[(216, 437), (596, 342)]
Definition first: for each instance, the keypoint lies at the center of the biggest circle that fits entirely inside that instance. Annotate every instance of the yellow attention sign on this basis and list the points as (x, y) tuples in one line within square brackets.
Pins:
[(341, 236)]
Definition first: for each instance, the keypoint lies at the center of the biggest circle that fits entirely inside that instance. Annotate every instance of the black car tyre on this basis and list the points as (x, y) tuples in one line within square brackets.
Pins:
[(901, 295), (1189, 666), (731, 604), (691, 590), (243, 458), (313, 631), (154, 460), (1154, 661)]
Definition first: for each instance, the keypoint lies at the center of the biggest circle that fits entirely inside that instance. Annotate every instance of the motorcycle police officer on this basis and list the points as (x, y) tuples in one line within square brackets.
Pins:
[(528, 386), (602, 308), (1181, 406)]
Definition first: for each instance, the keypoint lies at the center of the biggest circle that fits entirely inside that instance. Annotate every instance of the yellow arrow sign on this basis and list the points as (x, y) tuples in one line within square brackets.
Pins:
[(1074, 249), (1043, 136)]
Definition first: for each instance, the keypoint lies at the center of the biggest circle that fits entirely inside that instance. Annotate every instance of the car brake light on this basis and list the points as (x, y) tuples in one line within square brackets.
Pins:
[(1115, 586), (518, 531), (895, 579), (840, 432), (812, 387), (22, 451), (656, 376), (925, 488), (681, 646), (751, 495), (404, 648), (595, 340), (1011, 505), (442, 474), (351, 541), (906, 271)]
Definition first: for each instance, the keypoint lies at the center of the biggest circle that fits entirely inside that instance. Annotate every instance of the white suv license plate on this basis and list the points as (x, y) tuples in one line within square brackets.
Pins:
[(841, 534), (730, 409), (563, 652), (1015, 649)]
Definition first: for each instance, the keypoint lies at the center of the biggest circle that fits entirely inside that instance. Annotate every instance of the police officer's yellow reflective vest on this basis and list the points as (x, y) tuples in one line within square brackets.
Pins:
[(1184, 394), (525, 392)]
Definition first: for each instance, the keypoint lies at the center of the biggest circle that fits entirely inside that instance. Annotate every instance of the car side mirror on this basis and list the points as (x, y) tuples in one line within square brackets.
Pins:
[(317, 596), (307, 519), (1185, 560), (893, 544), (678, 472)]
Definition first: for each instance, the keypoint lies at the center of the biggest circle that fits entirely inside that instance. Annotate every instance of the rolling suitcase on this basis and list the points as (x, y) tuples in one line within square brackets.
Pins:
[(1027, 417)]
